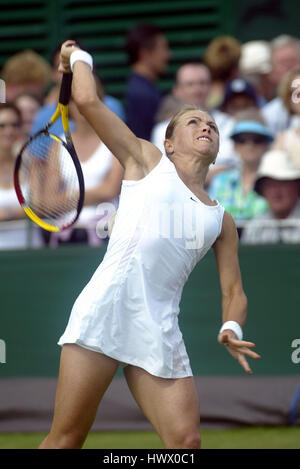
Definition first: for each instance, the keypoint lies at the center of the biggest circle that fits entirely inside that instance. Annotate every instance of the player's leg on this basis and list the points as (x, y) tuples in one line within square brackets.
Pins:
[(83, 379), (171, 406)]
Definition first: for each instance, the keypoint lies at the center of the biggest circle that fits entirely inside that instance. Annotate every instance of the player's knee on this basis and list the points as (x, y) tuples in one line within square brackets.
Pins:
[(192, 440), (186, 438)]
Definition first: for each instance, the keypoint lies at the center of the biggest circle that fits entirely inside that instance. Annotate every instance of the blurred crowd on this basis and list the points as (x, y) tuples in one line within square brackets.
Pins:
[(252, 90)]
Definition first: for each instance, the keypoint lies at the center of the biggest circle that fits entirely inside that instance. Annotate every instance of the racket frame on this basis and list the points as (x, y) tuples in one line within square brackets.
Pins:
[(61, 110)]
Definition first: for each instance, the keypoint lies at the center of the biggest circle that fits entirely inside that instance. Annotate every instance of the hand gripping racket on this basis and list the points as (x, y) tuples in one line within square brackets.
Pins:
[(48, 177)]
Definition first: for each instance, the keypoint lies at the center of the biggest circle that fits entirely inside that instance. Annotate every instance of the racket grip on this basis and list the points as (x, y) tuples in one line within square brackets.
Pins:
[(65, 89)]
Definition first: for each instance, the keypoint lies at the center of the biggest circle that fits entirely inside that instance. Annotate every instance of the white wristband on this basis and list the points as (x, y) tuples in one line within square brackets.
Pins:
[(233, 326), (82, 56)]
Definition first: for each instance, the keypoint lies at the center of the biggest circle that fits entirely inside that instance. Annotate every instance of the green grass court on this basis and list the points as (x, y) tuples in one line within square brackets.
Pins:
[(242, 438)]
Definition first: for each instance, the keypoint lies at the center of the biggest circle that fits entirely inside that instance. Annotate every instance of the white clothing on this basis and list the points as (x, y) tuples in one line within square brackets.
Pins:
[(227, 156), (129, 309), (255, 234), (94, 170), (277, 117), (18, 237)]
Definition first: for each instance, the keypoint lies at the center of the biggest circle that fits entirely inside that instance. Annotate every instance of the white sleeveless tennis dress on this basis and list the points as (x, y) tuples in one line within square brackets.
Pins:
[(129, 309)]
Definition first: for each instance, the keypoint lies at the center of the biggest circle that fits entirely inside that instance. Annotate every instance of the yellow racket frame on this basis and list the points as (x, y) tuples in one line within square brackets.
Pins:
[(61, 110)]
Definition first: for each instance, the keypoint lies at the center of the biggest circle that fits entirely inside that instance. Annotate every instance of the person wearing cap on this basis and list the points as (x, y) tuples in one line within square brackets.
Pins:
[(239, 95), (234, 188), (278, 181)]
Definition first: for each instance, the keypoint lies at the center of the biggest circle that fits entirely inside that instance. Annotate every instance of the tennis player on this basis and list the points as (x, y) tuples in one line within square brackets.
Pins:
[(128, 312)]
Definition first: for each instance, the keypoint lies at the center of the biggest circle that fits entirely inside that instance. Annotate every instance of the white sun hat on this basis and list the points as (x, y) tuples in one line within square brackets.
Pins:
[(276, 164), (255, 58)]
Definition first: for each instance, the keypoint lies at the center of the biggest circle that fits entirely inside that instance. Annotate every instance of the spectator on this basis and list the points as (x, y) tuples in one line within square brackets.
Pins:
[(278, 180), (26, 71), (222, 57), (239, 95), (102, 176), (285, 56), (148, 55), (28, 104), (255, 67), (46, 111), (289, 92), (234, 188), (11, 238)]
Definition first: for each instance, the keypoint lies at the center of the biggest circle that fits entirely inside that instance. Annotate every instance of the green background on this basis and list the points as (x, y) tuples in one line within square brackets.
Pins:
[(38, 288), (101, 26)]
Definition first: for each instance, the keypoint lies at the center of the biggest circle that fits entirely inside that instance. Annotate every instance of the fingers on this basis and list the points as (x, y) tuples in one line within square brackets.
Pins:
[(250, 353), (66, 50), (243, 362)]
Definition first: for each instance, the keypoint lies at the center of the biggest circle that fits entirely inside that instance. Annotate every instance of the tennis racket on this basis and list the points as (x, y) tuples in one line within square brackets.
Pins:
[(48, 177)]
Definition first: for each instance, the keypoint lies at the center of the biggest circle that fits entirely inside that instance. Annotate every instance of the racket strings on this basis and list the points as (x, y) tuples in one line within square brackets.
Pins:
[(49, 180)]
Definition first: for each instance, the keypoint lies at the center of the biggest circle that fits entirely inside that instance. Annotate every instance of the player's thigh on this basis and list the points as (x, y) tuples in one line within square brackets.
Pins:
[(171, 405), (84, 376)]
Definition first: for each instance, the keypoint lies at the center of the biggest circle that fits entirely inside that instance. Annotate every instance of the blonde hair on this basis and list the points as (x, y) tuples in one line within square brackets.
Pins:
[(27, 67), (285, 89), (222, 56)]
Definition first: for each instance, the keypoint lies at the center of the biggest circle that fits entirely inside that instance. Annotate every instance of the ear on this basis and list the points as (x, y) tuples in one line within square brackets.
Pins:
[(169, 147)]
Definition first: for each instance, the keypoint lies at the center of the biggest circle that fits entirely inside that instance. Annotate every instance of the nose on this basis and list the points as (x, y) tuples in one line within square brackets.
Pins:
[(205, 128)]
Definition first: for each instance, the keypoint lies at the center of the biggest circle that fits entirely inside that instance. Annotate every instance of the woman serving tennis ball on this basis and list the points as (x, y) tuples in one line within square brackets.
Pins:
[(128, 312)]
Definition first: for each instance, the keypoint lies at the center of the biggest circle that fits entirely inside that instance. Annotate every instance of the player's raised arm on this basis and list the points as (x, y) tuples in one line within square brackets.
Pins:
[(115, 134)]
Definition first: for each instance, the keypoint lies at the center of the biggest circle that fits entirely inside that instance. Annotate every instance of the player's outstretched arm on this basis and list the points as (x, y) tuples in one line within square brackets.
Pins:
[(129, 149), (234, 301)]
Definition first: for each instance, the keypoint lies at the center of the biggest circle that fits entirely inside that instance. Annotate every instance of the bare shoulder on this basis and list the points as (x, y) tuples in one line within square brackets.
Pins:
[(228, 233)]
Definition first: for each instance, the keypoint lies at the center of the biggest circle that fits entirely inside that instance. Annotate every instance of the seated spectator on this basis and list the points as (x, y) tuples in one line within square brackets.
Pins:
[(50, 102), (255, 67), (11, 238), (102, 177), (285, 55), (148, 55), (289, 139), (222, 57), (26, 71), (234, 188), (278, 181), (28, 104), (239, 95)]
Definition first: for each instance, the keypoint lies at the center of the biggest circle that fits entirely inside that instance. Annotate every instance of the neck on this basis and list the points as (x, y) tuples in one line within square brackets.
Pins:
[(142, 69), (5, 156), (193, 171)]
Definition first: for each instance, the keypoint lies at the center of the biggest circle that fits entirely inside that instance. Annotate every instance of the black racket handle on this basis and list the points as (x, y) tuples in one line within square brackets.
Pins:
[(65, 89)]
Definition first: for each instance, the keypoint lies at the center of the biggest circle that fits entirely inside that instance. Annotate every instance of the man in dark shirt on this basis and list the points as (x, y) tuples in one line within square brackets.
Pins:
[(148, 54)]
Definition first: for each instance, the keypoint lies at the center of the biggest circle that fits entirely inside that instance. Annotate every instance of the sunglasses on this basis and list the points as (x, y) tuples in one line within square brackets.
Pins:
[(15, 125), (254, 138)]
